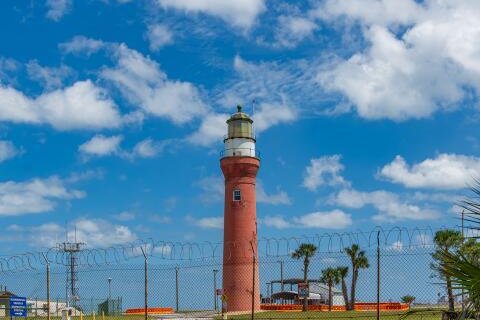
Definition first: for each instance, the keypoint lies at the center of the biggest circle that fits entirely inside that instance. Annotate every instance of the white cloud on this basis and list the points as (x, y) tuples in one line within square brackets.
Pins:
[(396, 246), (101, 145), (148, 148), (238, 13), (212, 129), (163, 250), (142, 82), (335, 219), (270, 82), (389, 205), (101, 233), (411, 74), (160, 219), (324, 171), (206, 222), (125, 216), (159, 35), (80, 106), (95, 233), (8, 68), (34, 196), (8, 150), (90, 174), (272, 85), (380, 12), (293, 29), (82, 45), (213, 126), (48, 77), (271, 114), (277, 222), (436, 197), (445, 171), (58, 8), (281, 197), (213, 189)]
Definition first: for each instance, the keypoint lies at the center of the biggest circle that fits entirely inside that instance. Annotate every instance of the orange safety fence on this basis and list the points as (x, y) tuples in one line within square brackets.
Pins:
[(137, 311), (363, 306)]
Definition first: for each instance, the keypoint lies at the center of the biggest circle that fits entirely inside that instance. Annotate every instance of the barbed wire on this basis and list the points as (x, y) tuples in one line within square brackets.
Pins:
[(393, 239)]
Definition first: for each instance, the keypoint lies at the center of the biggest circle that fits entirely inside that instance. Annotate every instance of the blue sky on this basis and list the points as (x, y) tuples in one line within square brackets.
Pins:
[(112, 115)]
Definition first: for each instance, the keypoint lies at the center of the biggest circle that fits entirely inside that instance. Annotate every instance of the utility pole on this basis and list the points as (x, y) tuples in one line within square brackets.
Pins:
[(281, 275)]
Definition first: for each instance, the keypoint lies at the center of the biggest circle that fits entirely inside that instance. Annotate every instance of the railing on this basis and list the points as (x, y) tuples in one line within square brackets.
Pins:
[(254, 137), (240, 152)]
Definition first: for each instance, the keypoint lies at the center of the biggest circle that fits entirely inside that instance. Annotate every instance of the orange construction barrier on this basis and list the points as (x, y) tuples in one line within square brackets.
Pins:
[(361, 306), (154, 311)]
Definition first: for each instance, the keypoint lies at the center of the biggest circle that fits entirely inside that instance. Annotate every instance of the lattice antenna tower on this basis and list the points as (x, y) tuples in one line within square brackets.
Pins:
[(71, 250)]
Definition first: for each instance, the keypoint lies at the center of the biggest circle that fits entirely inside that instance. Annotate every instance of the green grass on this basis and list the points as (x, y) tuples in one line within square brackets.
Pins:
[(419, 314), (360, 315)]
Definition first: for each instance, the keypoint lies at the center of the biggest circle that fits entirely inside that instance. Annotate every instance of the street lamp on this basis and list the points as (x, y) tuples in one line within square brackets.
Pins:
[(281, 275)]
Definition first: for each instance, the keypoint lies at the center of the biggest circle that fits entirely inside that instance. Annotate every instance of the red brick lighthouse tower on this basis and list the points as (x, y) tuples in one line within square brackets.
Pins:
[(240, 164)]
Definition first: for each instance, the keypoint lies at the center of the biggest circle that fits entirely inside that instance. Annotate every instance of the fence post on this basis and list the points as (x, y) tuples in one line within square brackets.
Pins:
[(463, 241), (281, 275), (176, 288), (215, 271), (48, 286), (146, 282), (378, 275), (253, 288), (254, 261)]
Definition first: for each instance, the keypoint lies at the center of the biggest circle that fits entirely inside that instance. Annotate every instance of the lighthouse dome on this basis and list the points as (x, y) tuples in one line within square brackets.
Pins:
[(240, 139), (240, 125)]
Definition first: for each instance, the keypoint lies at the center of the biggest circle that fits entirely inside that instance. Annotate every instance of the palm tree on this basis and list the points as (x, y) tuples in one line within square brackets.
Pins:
[(305, 251), (330, 277), (463, 266), (359, 261), (471, 250), (343, 271), (446, 241), (408, 299)]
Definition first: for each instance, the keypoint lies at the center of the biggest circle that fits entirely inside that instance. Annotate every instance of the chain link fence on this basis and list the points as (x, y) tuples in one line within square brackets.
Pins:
[(396, 282)]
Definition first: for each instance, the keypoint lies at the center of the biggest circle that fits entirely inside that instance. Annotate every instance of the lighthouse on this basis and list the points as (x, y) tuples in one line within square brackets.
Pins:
[(240, 164)]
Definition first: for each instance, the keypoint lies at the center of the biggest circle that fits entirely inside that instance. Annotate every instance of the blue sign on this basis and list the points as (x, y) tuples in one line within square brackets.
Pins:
[(18, 306)]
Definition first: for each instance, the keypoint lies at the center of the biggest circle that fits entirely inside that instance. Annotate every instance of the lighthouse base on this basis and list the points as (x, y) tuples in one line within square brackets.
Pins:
[(239, 282)]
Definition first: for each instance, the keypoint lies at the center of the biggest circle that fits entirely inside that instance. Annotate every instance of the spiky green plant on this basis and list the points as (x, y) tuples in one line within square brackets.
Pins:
[(463, 265), (446, 241)]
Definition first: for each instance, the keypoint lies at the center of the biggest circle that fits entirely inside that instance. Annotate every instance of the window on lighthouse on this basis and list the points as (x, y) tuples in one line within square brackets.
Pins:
[(237, 195)]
